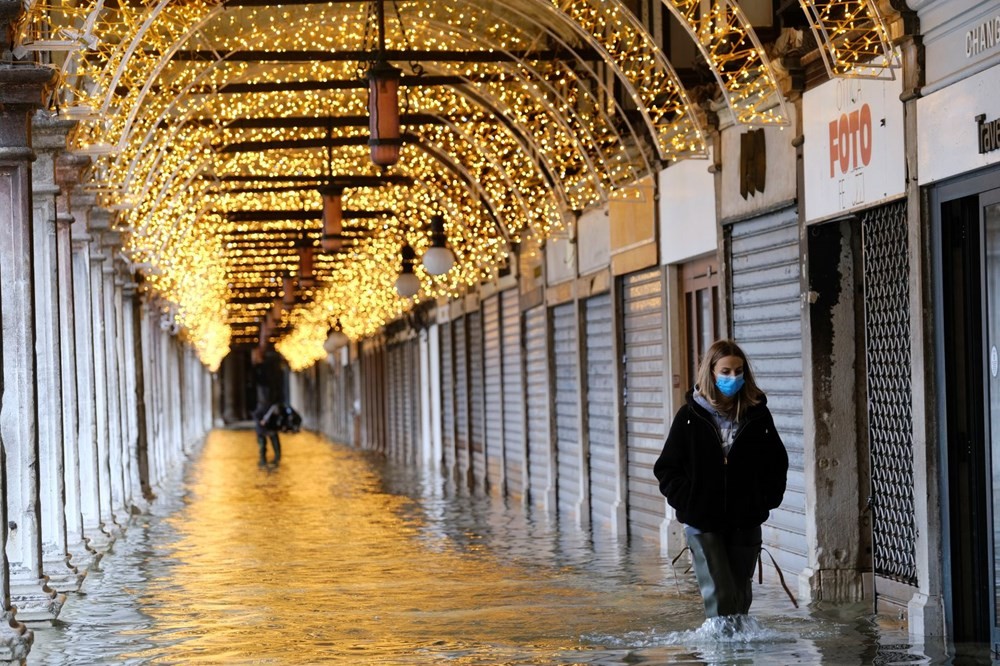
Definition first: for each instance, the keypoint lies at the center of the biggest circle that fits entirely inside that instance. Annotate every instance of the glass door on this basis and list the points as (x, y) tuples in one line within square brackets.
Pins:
[(990, 220)]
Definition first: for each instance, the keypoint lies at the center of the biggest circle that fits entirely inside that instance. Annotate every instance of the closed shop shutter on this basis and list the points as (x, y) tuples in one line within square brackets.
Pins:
[(461, 401), (603, 443), (394, 422), (477, 390), (643, 402), (767, 324), (493, 371), (566, 402), (447, 398), (537, 392), (513, 395), (408, 399)]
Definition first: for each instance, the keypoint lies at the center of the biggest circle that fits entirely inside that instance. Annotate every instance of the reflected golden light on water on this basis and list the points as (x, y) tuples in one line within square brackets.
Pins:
[(313, 561), (340, 557)]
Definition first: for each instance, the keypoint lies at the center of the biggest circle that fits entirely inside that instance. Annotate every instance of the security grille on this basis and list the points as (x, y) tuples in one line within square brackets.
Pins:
[(887, 348)]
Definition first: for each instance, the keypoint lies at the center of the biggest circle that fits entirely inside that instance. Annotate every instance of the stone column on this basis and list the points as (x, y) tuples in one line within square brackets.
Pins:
[(133, 486), (137, 354), (26, 588), (150, 388), (49, 141), (116, 466), (96, 538), (122, 401), (98, 224), (68, 172), (20, 92)]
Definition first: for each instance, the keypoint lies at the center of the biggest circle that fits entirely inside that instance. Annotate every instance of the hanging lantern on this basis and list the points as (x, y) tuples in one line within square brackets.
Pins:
[(407, 284), (335, 339), (288, 290), (438, 259), (306, 276), (333, 218), (383, 113)]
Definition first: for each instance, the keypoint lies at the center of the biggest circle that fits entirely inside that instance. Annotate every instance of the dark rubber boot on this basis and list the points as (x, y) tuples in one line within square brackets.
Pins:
[(714, 574)]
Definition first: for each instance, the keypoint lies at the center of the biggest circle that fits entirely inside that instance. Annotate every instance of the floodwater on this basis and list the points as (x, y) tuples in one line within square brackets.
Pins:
[(336, 557)]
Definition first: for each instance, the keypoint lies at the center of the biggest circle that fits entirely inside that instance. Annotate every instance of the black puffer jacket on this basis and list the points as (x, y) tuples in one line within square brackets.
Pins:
[(711, 491)]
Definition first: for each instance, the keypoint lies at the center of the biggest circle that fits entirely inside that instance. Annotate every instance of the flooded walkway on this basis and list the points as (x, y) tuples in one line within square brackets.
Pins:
[(336, 557)]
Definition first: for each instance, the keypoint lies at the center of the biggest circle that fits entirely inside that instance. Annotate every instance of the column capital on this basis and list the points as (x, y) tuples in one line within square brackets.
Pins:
[(21, 90), (23, 85), (49, 132)]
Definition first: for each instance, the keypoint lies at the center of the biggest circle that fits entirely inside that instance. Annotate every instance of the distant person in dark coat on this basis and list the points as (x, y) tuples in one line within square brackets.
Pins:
[(266, 426), (723, 469)]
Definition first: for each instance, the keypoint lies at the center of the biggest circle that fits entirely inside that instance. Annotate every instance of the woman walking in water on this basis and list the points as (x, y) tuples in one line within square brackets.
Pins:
[(723, 469)]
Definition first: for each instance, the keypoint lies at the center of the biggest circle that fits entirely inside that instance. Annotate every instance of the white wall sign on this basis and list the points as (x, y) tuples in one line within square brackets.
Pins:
[(594, 240), (854, 151), (951, 138), (687, 211)]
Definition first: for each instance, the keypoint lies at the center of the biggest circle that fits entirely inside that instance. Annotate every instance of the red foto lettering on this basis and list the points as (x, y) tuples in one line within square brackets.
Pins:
[(851, 141)]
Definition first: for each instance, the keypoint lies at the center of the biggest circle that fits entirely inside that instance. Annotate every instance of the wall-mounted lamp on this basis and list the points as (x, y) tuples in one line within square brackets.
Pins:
[(408, 284), (438, 259)]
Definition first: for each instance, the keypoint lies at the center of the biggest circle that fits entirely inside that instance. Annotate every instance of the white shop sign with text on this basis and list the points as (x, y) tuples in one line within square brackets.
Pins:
[(854, 149)]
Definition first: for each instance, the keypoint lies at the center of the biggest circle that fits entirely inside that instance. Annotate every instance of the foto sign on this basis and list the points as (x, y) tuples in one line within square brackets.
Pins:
[(853, 153)]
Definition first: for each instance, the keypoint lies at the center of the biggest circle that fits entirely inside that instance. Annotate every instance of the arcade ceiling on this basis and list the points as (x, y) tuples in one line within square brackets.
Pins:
[(263, 193)]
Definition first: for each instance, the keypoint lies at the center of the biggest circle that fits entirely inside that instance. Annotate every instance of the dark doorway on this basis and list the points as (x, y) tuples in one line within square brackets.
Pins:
[(970, 227)]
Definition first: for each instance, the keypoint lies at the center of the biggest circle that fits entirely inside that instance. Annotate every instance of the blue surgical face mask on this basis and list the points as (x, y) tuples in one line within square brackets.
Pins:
[(729, 385)]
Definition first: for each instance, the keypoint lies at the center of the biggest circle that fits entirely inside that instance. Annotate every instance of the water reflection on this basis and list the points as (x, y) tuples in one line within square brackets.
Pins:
[(335, 557)]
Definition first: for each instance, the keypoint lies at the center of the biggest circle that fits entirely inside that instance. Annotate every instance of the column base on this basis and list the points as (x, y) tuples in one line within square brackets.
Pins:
[(34, 600), (139, 506), (99, 541), (925, 616), (82, 557), (15, 639), (832, 585), (63, 576), (672, 540)]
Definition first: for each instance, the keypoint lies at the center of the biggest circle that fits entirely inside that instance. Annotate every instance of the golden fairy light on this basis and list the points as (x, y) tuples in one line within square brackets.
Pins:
[(853, 38), (221, 156)]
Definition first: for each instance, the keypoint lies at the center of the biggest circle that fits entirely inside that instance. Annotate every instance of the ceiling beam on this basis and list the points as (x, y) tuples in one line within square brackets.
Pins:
[(302, 144), (300, 215), (280, 122), (424, 80), (365, 55), (345, 181)]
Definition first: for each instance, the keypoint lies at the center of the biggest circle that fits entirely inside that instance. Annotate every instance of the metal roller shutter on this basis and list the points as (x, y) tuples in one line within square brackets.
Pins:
[(603, 443), (395, 415), (566, 403), (540, 454), (513, 395), (447, 398), (477, 420), (645, 422), (767, 324), (461, 401), (493, 371)]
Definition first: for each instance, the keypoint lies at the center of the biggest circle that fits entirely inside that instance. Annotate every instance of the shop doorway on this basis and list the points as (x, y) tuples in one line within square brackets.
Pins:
[(970, 233)]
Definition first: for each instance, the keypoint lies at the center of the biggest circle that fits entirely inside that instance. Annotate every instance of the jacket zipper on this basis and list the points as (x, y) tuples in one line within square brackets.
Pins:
[(725, 458)]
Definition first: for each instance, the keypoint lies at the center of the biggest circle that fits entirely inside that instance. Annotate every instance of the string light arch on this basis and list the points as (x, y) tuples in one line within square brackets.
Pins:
[(148, 82)]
